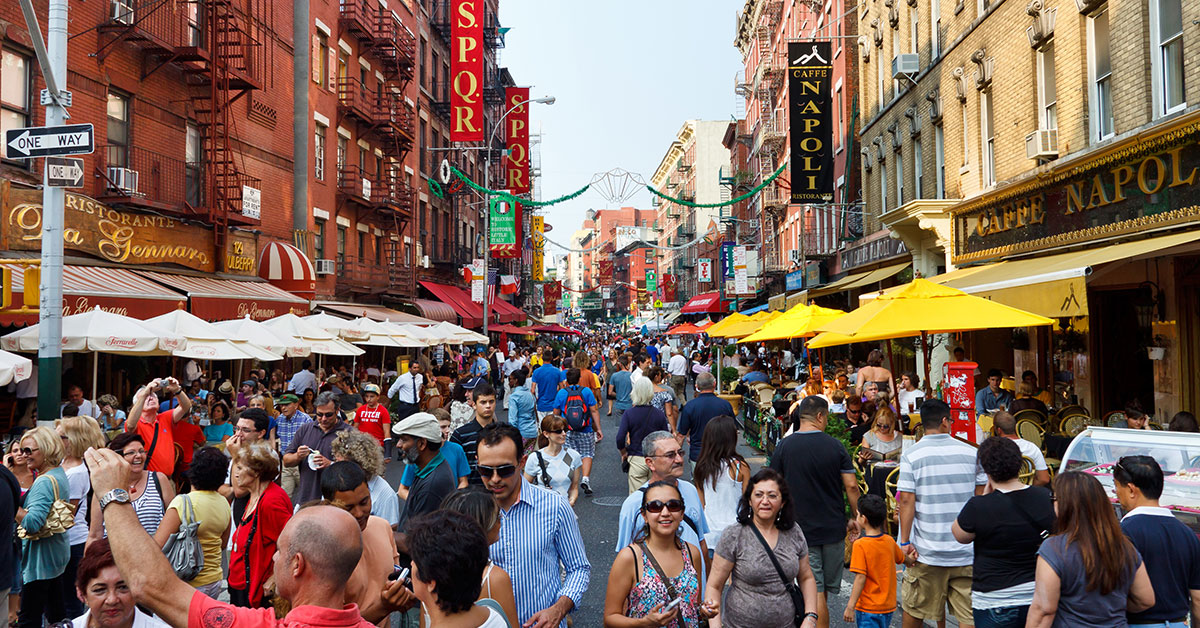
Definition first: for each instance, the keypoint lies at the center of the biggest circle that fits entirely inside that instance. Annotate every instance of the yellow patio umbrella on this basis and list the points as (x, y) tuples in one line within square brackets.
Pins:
[(715, 328), (745, 327), (802, 321)]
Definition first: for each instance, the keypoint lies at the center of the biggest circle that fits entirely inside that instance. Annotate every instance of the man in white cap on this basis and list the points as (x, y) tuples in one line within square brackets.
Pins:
[(420, 438)]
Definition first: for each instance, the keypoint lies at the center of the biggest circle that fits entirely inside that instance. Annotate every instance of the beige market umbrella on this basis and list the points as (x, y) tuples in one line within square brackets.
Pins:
[(253, 332), (205, 341)]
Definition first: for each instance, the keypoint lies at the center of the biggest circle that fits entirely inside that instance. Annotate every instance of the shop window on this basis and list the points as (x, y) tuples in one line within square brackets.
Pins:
[(1166, 37), (14, 92), (1047, 87), (117, 152), (1100, 76)]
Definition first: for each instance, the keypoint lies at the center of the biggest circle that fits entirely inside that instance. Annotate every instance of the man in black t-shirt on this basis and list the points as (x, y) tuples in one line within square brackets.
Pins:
[(420, 440), (818, 471), (484, 397)]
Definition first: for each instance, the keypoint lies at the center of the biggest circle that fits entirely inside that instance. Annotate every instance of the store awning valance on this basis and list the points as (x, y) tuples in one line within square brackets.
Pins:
[(115, 290), (470, 311), (709, 302), (289, 268), (858, 280), (755, 310), (222, 299)]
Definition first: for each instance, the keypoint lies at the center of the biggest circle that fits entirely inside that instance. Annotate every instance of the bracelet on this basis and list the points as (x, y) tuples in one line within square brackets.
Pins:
[(811, 614), (905, 543)]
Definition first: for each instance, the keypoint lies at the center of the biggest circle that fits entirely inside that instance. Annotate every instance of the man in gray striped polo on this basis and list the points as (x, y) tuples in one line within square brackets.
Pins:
[(937, 477)]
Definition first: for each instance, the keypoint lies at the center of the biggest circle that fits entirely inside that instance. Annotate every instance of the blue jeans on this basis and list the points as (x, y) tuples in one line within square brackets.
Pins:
[(1163, 624), (1005, 617), (872, 620)]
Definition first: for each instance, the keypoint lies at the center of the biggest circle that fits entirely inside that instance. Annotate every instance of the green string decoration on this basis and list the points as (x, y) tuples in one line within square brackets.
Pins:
[(513, 197), (435, 188), (767, 181)]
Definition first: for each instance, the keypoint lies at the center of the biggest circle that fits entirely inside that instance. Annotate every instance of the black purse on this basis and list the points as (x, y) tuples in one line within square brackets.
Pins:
[(789, 585)]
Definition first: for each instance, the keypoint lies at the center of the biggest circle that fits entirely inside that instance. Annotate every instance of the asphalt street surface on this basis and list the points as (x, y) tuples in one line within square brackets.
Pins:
[(598, 522)]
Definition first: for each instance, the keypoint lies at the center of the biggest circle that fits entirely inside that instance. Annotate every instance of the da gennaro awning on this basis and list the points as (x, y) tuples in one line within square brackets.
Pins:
[(223, 299), (709, 302), (114, 290)]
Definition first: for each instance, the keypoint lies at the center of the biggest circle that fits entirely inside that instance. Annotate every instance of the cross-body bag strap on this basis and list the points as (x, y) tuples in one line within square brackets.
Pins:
[(657, 567), (153, 443), (542, 464), (771, 554)]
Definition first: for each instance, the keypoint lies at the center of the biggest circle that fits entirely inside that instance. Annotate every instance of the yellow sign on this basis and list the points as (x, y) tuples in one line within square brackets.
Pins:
[(536, 225)]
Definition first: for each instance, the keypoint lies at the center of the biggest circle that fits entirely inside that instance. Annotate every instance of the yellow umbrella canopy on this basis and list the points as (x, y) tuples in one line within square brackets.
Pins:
[(927, 307), (745, 327), (801, 321), (715, 328)]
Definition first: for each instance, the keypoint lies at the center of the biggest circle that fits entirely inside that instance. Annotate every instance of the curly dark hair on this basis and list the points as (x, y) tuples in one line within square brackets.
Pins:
[(208, 469), (786, 519), (449, 549), (1000, 458)]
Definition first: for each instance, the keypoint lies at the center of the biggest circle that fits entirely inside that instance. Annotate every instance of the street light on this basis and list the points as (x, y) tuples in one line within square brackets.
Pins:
[(487, 184)]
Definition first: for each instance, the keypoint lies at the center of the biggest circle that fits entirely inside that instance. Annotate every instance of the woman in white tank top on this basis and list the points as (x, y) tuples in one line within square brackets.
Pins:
[(721, 475)]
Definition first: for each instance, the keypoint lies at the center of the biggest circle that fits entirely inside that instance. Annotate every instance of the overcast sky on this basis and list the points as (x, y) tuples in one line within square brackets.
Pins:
[(626, 74)]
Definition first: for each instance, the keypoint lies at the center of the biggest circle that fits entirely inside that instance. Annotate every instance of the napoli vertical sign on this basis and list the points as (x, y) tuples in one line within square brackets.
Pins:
[(810, 103)]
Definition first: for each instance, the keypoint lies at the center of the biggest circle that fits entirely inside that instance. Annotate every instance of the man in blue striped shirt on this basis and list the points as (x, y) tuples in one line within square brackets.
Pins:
[(538, 531)]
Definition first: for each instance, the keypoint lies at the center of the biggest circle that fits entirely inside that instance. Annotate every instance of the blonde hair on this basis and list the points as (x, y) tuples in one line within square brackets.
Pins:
[(82, 432), (49, 443), (886, 414), (1025, 388), (643, 392)]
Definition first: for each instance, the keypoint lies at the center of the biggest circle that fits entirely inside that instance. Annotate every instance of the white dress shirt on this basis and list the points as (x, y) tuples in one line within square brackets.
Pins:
[(406, 386), (677, 365)]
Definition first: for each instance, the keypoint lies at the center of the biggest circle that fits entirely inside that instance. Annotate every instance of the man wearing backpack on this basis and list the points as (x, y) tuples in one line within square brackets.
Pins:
[(578, 406)]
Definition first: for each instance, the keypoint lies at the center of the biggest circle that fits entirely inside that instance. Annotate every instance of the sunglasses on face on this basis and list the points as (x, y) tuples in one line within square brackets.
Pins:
[(559, 431), (504, 470), (325, 415), (672, 505), (28, 451)]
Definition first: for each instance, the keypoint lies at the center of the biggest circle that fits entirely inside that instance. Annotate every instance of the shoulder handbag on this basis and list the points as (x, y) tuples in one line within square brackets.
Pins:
[(183, 549), (60, 518), (790, 585)]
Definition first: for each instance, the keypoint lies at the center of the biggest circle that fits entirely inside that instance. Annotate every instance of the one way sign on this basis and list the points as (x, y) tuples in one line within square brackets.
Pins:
[(64, 172), (44, 141)]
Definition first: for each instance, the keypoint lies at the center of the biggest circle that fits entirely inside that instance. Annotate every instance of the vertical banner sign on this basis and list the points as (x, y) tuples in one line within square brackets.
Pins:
[(537, 225), (727, 260), (810, 69), (651, 280), (704, 272), (503, 228), (741, 280), (668, 287), (466, 70), (551, 294), (477, 287), (606, 272), (516, 135)]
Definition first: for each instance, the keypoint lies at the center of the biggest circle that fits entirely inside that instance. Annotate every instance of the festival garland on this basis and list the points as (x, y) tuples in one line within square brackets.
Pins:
[(767, 181), (435, 188), (513, 197)]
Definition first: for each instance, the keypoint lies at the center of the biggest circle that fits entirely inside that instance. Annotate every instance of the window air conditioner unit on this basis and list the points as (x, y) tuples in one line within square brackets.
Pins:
[(1042, 143), (123, 180), (795, 256), (424, 261), (325, 267), (905, 65), (122, 11)]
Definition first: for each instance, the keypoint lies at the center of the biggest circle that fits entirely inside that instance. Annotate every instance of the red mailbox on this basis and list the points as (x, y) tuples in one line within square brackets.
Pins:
[(959, 388)]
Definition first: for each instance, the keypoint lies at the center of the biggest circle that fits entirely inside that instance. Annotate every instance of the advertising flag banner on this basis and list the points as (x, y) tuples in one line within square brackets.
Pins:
[(536, 226), (503, 228), (606, 272), (741, 278), (810, 105), (651, 280), (516, 133), (466, 70), (704, 271), (477, 287), (668, 287), (727, 260)]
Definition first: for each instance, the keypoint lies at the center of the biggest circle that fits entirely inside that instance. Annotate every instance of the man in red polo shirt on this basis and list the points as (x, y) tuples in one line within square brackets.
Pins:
[(156, 428), (373, 418)]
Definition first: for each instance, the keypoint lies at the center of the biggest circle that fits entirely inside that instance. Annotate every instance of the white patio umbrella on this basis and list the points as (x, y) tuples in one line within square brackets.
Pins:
[(318, 340), (14, 368), (380, 335), (455, 331), (251, 331), (336, 326), (206, 341), (428, 334)]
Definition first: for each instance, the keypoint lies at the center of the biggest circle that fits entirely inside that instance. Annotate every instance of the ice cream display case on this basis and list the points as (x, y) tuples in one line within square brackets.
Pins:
[(1097, 449)]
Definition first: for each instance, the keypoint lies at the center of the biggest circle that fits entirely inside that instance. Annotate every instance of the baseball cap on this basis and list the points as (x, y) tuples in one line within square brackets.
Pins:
[(370, 388), (420, 425)]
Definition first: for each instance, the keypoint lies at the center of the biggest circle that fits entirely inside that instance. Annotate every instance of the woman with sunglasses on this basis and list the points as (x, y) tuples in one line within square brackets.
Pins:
[(1089, 573), (884, 440), (757, 597), (15, 461), (554, 465), (150, 491), (655, 582), (43, 561), (78, 434)]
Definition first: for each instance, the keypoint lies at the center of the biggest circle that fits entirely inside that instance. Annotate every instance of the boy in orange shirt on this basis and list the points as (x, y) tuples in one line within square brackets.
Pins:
[(872, 561)]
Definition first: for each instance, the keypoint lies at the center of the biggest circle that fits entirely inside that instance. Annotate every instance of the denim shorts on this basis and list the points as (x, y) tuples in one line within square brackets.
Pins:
[(872, 620), (1003, 617)]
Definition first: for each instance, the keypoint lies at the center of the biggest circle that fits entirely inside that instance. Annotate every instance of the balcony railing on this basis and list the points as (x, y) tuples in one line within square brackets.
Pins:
[(358, 17), (775, 196), (357, 184), (356, 99), (362, 272), (136, 176), (394, 116), (395, 45), (440, 95), (393, 192)]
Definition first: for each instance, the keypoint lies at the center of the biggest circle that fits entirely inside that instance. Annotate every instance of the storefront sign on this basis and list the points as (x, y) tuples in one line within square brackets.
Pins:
[(814, 273), (466, 70), (251, 202), (606, 272), (116, 235), (704, 270), (867, 252), (536, 226), (810, 72), (794, 280), (727, 260), (241, 253), (1149, 183)]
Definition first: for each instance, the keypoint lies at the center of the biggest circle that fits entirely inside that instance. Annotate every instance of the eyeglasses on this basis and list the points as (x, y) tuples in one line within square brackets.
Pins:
[(554, 431), (325, 414), (28, 451), (246, 430), (678, 453), (656, 506), (128, 453), (504, 470)]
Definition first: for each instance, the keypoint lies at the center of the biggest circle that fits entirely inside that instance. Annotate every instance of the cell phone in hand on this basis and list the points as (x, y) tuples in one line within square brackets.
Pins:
[(400, 573), (675, 602)]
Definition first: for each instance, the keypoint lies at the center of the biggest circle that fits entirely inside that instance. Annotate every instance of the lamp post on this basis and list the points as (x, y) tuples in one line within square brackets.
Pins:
[(487, 202)]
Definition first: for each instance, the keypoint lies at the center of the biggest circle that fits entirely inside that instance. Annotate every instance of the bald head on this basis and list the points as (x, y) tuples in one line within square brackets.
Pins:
[(328, 538)]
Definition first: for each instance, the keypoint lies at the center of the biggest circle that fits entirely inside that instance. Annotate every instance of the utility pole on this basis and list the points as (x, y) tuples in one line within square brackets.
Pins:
[(53, 62)]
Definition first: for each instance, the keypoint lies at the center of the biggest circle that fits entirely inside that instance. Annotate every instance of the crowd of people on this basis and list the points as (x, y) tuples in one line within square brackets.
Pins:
[(201, 504)]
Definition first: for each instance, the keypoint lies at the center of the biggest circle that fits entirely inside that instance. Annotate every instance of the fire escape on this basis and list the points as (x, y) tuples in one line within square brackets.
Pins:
[(377, 109), (223, 52)]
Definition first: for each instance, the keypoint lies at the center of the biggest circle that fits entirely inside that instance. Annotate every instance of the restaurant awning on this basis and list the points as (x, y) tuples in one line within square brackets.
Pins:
[(115, 290), (858, 280), (470, 311), (223, 299), (1053, 285), (288, 268), (705, 303), (756, 309), (381, 313), (431, 310), (506, 312)]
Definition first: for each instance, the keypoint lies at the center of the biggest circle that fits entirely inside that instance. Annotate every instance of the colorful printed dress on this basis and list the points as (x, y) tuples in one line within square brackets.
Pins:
[(651, 591)]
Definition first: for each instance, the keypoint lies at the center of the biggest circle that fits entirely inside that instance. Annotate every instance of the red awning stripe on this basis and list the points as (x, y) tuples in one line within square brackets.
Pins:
[(282, 261), (224, 299), (471, 312), (433, 311), (98, 281), (702, 303)]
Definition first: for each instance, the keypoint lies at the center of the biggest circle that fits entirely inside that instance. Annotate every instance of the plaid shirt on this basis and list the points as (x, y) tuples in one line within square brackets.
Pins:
[(286, 428)]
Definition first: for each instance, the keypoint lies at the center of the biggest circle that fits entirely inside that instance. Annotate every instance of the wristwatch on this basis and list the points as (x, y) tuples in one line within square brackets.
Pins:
[(119, 495)]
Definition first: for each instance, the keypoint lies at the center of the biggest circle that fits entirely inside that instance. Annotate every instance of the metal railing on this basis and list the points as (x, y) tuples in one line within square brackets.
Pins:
[(357, 99), (356, 183), (358, 16), (143, 176)]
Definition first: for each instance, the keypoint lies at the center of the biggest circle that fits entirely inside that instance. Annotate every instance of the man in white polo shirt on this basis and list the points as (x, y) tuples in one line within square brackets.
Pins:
[(1005, 426)]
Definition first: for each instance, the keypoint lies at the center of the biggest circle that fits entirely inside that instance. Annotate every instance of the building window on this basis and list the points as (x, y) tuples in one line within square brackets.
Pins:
[(899, 157), (421, 148), (322, 60), (118, 130), (883, 189), (939, 159), (881, 70), (421, 62), (987, 143), (319, 240), (319, 151), (343, 69), (14, 91), (966, 136), (895, 53), (379, 250), (918, 170), (343, 146), (362, 246), (193, 182), (1100, 75), (837, 114), (341, 246), (935, 30), (1166, 36), (1047, 87), (914, 28)]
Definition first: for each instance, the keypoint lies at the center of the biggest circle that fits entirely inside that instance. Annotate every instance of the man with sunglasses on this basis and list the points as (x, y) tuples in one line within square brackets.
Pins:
[(665, 459), (312, 448), (290, 419), (538, 533)]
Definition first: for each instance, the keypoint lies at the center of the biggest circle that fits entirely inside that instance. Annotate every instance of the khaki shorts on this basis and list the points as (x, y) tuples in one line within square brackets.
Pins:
[(927, 588)]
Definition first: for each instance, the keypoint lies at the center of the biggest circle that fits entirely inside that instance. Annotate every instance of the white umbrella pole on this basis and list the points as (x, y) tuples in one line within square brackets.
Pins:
[(95, 372)]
